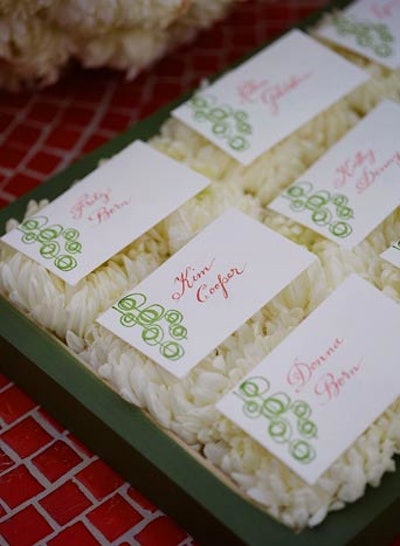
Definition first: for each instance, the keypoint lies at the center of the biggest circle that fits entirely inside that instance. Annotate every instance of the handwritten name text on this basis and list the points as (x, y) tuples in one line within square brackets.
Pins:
[(301, 373), (269, 93), (330, 385)]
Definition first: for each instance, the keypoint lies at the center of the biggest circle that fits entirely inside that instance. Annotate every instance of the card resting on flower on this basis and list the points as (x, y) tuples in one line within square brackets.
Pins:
[(355, 185), (265, 99), (209, 288), (104, 212), (315, 393)]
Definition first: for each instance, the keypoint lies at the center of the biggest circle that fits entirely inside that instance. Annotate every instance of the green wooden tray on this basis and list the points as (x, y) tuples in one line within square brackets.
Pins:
[(142, 452)]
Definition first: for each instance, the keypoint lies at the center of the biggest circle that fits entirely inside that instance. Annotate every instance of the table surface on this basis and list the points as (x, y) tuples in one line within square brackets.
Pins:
[(53, 490)]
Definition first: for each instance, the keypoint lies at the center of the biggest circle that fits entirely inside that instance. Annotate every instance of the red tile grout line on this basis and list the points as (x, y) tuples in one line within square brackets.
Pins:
[(147, 516), (18, 117), (66, 156), (82, 516), (94, 502), (37, 145), (90, 129)]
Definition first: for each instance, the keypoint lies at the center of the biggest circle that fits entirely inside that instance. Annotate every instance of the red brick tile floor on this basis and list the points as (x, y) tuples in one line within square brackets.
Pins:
[(53, 490)]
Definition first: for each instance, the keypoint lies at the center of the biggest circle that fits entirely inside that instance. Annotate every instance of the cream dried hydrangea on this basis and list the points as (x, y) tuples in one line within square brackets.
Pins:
[(187, 407), (39, 37)]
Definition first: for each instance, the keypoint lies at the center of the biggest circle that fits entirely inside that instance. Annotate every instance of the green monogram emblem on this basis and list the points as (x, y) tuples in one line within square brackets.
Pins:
[(156, 323), (226, 123), (374, 36), (326, 209), (288, 421), (56, 243)]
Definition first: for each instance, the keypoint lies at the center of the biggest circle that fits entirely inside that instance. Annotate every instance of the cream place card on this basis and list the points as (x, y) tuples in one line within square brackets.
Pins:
[(368, 27), (271, 95), (355, 185), (209, 288), (104, 212), (392, 254), (311, 398)]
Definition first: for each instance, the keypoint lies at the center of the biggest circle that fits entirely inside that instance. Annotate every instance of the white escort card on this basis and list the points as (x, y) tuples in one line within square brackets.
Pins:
[(271, 95), (209, 288), (106, 211), (368, 27), (313, 395), (392, 254), (355, 185)]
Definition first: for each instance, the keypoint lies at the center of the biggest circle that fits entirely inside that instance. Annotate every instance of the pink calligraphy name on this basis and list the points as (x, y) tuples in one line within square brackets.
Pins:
[(190, 279), (301, 373), (370, 176), (384, 10), (358, 169), (330, 386), (87, 200), (268, 93), (106, 212), (351, 165), (100, 201)]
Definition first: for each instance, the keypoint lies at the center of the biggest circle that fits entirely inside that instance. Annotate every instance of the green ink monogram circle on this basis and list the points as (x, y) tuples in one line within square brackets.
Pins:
[(296, 191), (238, 143), (172, 350), (30, 224), (341, 229), (302, 451), (228, 124), (49, 238), (276, 404), (173, 316), (34, 223), (73, 247), (327, 210), (301, 409), (131, 302), (29, 238), (153, 335), (66, 262), (50, 250), (340, 200), (321, 217), (280, 430), (199, 102), (178, 331), (220, 113), (285, 417), (345, 213), (368, 35), (151, 314), (49, 233), (70, 234), (318, 200), (219, 129), (252, 409), (383, 50), (128, 320), (255, 386), (307, 428), (150, 318)]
